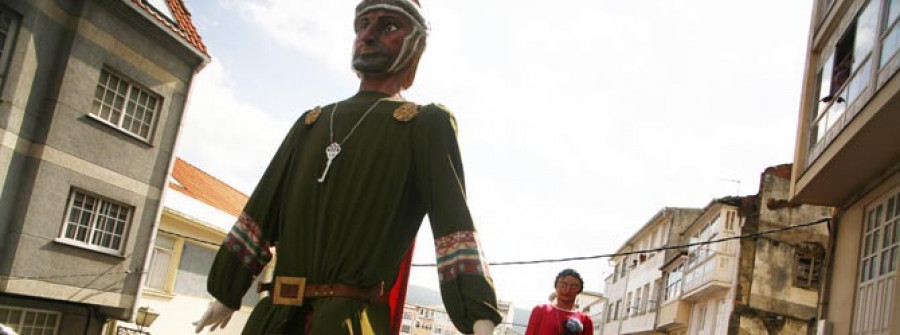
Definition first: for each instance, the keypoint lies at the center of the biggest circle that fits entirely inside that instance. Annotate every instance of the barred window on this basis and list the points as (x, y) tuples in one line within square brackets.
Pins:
[(125, 106), (29, 321), (96, 222)]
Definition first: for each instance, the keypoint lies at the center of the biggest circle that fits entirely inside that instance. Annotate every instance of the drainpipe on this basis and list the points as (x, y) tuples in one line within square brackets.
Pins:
[(829, 262), (150, 244)]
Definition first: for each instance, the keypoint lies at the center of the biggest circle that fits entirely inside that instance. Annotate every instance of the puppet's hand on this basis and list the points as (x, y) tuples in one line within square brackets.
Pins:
[(483, 327), (216, 316)]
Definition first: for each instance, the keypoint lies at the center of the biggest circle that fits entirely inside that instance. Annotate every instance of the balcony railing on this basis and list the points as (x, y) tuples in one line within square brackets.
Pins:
[(709, 275)]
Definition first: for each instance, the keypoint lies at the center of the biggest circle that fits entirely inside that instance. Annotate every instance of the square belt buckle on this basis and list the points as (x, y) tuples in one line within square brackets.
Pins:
[(289, 291)]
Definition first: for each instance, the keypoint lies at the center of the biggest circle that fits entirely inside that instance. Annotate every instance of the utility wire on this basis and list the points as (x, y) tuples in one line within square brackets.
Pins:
[(191, 238), (126, 272), (539, 261), (567, 259)]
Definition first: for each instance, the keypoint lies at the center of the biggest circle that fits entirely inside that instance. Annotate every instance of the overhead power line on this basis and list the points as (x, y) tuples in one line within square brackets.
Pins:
[(539, 261), (644, 251), (99, 274), (610, 255)]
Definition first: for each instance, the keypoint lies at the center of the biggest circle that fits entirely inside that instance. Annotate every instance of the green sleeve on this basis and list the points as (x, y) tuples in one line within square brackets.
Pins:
[(246, 249), (466, 285)]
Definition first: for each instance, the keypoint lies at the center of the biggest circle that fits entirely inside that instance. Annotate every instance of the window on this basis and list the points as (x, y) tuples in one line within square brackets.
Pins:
[(161, 7), (407, 315), (878, 266), (807, 268), (627, 310), (673, 283), (645, 297), (8, 24), (845, 72), (699, 253), (618, 309), (615, 275), (125, 106), (29, 321), (655, 296), (404, 329), (824, 7), (160, 261), (890, 42), (729, 220), (702, 318), (609, 312), (96, 222), (636, 307)]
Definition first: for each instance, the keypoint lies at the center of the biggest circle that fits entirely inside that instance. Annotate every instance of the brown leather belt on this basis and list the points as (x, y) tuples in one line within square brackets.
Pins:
[(285, 291)]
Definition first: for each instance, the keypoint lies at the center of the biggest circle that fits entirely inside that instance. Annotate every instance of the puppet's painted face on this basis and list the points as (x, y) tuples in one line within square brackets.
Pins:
[(380, 35)]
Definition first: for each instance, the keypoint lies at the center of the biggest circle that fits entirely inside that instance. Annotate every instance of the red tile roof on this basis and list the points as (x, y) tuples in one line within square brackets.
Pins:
[(184, 28), (200, 185)]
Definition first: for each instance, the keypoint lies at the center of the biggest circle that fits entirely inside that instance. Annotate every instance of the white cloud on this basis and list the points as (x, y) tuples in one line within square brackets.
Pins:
[(320, 29), (224, 136)]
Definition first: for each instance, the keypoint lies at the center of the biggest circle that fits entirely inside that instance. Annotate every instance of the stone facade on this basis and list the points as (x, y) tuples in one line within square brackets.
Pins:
[(768, 291)]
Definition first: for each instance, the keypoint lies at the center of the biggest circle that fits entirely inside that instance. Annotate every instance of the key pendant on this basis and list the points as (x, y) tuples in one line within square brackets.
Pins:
[(331, 151)]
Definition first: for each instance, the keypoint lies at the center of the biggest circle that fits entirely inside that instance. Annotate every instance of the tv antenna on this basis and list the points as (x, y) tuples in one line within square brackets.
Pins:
[(736, 181)]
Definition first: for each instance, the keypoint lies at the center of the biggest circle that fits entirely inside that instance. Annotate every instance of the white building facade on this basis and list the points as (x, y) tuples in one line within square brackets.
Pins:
[(634, 289)]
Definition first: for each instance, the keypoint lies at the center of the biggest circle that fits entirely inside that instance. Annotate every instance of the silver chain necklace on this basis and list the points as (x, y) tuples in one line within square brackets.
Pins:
[(334, 149)]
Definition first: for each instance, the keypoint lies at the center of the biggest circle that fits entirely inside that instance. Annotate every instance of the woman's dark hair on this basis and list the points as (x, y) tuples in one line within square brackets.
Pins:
[(569, 273)]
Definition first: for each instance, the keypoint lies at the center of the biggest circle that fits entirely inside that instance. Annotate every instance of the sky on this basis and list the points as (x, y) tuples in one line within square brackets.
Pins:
[(578, 120)]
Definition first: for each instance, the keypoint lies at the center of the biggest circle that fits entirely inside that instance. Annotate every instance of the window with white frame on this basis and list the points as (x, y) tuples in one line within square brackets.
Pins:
[(824, 6), (890, 40), (96, 222), (878, 266), (636, 306), (618, 309), (160, 262), (844, 73), (673, 283), (656, 295), (701, 315), (699, 253), (8, 25), (609, 312), (30, 321), (615, 275), (628, 301), (124, 105), (730, 219), (645, 298)]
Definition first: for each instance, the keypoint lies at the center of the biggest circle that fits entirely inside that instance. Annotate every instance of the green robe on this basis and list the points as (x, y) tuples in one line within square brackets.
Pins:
[(355, 227)]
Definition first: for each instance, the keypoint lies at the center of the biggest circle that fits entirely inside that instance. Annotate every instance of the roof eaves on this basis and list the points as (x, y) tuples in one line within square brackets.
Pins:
[(183, 31)]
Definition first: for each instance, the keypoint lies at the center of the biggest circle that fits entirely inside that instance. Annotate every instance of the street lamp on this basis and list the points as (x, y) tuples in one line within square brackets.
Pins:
[(145, 317)]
